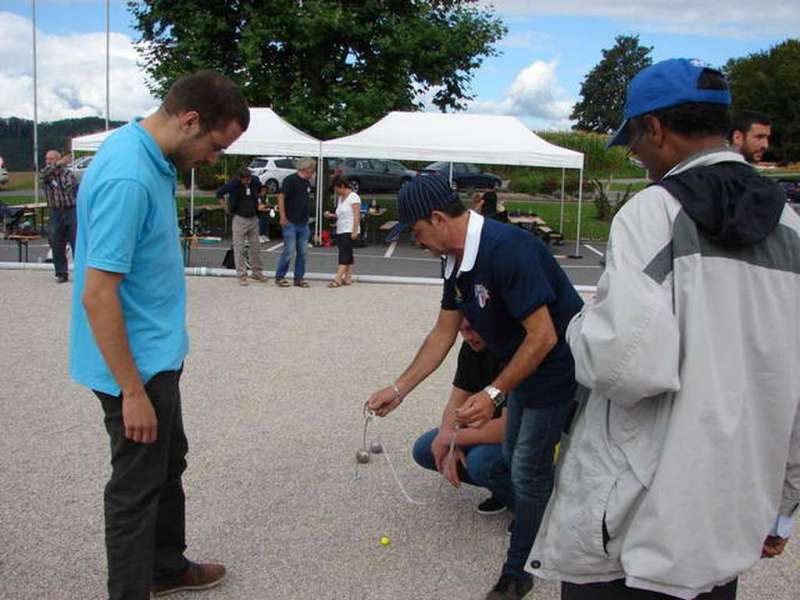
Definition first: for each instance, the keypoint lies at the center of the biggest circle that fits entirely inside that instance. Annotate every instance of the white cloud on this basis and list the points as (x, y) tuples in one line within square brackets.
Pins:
[(529, 40), (71, 74), (718, 18), (535, 95)]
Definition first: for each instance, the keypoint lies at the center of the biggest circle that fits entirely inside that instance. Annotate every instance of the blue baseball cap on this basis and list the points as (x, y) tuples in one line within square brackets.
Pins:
[(665, 84), (424, 194)]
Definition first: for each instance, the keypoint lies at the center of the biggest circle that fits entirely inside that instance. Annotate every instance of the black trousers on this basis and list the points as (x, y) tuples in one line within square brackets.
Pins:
[(144, 499), (345, 244), (614, 590)]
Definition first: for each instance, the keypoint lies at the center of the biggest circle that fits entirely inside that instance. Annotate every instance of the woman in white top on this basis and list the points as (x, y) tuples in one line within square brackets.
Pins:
[(348, 224)]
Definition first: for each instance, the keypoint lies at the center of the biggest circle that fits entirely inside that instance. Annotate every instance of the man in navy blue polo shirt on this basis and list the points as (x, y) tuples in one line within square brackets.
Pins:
[(512, 291)]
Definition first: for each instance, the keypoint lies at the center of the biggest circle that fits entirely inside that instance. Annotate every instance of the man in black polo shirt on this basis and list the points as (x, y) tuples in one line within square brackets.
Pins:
[(477, 453), (518, 299), (293, 206), (243, 203)]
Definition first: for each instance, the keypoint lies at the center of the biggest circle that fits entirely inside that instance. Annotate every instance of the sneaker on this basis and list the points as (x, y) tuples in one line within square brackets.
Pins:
[(243, 280), (62, 278), (491, 506), (509, 587), (263, 239), (197, 577)]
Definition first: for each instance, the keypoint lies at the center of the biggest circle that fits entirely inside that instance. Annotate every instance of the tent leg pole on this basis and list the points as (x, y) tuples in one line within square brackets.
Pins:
[(561, 221), (191, 205), (318, 224), (578, 230)]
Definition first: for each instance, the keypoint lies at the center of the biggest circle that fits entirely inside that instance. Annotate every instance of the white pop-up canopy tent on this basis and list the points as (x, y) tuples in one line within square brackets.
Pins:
[(266, 134), (90, 142), (458, 137)]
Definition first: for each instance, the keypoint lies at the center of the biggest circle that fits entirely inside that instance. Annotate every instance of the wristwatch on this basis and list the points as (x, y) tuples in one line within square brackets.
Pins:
[(497, 396)]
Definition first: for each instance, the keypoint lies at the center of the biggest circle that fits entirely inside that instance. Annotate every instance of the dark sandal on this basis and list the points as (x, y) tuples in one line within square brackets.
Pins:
[(302, 283), (282, 282)]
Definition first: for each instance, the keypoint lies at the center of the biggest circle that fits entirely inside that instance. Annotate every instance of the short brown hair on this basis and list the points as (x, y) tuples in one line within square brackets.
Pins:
[(214, 97), (339, 181)]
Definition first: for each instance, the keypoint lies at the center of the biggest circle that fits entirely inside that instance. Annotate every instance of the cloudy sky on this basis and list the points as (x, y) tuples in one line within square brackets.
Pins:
[(550, 46)]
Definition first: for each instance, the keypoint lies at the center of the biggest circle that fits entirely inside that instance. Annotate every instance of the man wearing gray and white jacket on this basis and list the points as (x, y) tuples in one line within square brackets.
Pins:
[(682, 466)]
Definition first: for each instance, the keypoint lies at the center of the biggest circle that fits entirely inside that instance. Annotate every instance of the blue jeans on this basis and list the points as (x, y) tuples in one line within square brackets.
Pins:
[(531, 438), (485, 465), (295, 241), (63, 229)]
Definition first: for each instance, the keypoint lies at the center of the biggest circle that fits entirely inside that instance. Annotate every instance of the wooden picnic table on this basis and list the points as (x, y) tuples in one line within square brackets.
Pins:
[(369, 229), (22, 240), (32, 208), (526, 220)]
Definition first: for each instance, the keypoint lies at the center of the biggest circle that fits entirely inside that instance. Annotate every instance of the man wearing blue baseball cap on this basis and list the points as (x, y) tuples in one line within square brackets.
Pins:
[(518, 299), (682, 468)]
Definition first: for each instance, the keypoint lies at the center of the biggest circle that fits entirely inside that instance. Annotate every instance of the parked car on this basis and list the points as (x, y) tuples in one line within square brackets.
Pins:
[(272, 170), (79, 166), (792, 189), (465, 175), (369, 174)]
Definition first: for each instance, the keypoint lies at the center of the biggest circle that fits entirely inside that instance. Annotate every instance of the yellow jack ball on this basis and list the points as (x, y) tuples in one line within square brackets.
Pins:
[(385, 541)]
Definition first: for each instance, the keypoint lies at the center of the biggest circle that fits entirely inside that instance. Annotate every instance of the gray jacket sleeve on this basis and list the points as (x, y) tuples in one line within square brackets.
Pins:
[(626, 343), (790, 501)]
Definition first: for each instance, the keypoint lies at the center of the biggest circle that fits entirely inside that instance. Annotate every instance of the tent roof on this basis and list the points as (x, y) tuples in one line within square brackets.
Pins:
[(90, 142), (486, 139), (267, 134)]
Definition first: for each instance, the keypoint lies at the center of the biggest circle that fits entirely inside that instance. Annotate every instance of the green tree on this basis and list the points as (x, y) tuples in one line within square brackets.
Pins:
[(769, 82), (603, 88), (330, 67)]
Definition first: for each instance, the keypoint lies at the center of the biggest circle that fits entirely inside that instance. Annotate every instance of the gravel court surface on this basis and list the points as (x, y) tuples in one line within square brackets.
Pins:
[(272, 396)]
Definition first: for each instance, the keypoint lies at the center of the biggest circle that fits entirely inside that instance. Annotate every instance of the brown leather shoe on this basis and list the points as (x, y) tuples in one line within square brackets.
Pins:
[(199, 576)]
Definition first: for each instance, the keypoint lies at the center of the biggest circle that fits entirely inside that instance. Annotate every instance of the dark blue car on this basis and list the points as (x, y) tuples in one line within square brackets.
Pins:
[(465, 175)]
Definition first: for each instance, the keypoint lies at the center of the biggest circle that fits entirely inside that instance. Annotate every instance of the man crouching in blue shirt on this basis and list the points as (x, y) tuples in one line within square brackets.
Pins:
[(512, 291), (128, 336)]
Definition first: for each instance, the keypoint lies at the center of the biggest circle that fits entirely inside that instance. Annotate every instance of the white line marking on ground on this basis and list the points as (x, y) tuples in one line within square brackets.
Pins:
[(593, 249), (333, 254), (390, 250), (276, 247)]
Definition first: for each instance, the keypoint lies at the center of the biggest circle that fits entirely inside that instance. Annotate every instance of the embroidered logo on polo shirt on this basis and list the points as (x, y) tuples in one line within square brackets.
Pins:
[(481, 295)]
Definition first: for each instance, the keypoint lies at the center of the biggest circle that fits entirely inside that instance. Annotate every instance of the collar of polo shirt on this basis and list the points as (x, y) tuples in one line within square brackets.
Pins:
[(471, 244)]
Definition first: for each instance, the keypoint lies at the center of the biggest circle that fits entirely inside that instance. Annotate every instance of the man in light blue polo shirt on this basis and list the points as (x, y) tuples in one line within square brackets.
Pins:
[(128, 336)]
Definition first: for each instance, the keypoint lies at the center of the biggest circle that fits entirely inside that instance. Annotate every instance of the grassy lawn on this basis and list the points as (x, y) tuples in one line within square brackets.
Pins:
[(591, 228), (11, 200), (20, 180)]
